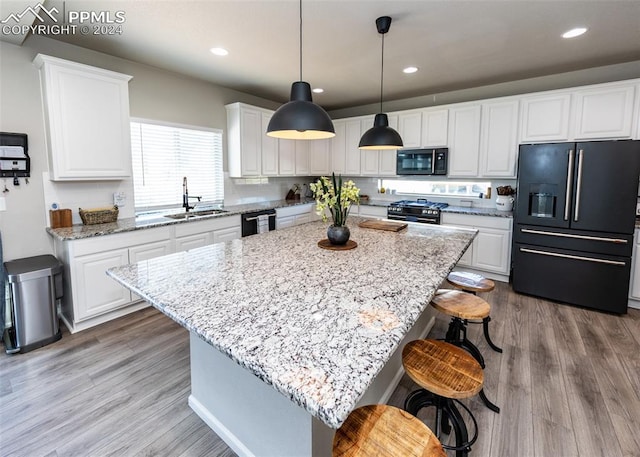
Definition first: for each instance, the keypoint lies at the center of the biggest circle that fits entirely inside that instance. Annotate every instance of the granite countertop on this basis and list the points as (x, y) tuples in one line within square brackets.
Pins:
[(315, 324), (157, 219)]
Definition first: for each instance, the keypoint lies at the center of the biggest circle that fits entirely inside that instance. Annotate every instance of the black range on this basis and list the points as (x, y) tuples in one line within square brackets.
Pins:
[(420, 210)]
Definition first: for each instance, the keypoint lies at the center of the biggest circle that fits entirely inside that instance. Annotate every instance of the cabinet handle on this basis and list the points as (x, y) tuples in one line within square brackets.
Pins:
[(433, 161), (573, 257), (580, 237), (578, 186), (567, 200), (256, 218)]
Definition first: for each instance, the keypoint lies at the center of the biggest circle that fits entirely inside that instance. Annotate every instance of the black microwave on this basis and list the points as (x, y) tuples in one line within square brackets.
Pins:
[(422, 161)]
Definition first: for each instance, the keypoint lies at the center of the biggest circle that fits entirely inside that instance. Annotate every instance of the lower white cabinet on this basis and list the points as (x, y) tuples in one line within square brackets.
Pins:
[(377, 212), (634, 286), (91, 297), (491, 249), (294, 215)]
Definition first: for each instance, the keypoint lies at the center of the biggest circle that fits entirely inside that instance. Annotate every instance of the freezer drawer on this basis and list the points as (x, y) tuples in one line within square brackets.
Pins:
[(579, 278)]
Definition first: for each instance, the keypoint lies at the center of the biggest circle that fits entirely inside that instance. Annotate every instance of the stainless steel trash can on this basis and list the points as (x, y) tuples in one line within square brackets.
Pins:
[(35, 286)]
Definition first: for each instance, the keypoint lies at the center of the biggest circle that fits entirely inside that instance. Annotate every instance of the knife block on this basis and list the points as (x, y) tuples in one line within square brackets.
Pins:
[(60, 218)]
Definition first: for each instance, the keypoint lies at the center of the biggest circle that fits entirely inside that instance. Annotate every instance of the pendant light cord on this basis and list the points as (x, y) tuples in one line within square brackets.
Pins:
[(382, 72), (300, 40)]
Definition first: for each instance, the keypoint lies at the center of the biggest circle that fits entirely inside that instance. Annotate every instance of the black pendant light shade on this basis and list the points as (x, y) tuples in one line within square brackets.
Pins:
[(300, 118), (381, 136)]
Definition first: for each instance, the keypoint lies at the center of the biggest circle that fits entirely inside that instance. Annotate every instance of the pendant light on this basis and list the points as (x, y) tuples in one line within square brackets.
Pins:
[(381, 136), (300, 118)]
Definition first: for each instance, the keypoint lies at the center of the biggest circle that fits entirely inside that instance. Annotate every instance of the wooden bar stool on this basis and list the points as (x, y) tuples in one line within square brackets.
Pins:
[(382, 430), (462, 306), (474, 283), (446, 374)]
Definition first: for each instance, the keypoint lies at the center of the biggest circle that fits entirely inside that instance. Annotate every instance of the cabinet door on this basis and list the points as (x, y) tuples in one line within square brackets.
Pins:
[(352, 153), (320, 157), (378, 212), (604, 112), (146, 252), (369, 162), (545, 118), (285, 221), (387, 163), (464, 141), (410, 128), (338, 151), (184, 243), (467, 258), (491, 250), (302, 157), (269, 149), (287, 157), (251, 141), (87, 114), (634, 287), (499, 139), (226, 234), (435, 125), (302, 218), (97, 292)]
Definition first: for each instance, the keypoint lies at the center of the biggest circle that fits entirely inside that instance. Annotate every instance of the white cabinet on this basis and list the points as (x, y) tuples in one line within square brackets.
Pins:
[(377, 212), (604, 112), (464, 140), (545, 118), (369, 162), (286, 157), (227, 234), (387, 162), (149, 251), (410, 128), (294, 215), (491, 249), (86, 112), (320, 157), (352, 153), (197, 240), (435, 125), (244, 140), (269, 149), (202, 233), (302, 157), (499, 139), (381, 162), (338, 147)]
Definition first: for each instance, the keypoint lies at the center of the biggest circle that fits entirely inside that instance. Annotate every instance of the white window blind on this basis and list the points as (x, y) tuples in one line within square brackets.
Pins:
[(163, 154)]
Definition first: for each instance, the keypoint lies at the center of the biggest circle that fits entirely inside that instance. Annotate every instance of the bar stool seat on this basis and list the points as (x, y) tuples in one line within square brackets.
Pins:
[(462, 306), (382, 430), (446, 374)]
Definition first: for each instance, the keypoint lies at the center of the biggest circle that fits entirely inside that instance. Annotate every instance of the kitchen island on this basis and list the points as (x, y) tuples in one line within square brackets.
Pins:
[(288, 338)]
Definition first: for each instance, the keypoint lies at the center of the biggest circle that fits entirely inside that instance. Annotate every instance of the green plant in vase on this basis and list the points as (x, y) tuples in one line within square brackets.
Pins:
[(338, 197)]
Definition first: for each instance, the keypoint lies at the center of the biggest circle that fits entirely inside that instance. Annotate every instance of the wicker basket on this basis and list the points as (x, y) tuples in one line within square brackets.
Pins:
[(98, 215)]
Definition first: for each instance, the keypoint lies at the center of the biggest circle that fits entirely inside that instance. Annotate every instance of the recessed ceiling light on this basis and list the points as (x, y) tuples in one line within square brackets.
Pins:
[(219, 51), (574, 32), (318, 90), (409, 70)]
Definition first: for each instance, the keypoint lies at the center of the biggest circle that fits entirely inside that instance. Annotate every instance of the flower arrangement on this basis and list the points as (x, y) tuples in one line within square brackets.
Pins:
[(336, 196)]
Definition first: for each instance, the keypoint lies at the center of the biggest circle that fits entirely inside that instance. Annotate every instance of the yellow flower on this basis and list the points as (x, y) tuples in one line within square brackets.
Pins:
[(336, 196)]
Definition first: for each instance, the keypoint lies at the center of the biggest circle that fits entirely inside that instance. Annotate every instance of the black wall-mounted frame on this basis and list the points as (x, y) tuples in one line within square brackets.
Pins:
[(16, 139)]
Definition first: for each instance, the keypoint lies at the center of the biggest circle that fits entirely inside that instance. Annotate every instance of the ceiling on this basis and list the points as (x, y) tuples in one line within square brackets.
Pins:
[(455, 44)]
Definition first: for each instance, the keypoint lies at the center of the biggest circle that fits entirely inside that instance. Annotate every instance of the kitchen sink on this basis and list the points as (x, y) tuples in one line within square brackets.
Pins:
[(195, 214)]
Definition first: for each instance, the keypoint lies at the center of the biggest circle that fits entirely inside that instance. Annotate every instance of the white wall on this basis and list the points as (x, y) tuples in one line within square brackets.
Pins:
[(154, 94)]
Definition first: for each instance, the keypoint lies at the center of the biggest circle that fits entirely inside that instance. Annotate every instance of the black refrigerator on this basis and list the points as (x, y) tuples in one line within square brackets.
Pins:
[(574, 220)]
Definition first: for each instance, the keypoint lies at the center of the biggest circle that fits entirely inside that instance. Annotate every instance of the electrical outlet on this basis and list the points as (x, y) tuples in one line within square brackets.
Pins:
[(119, 199)]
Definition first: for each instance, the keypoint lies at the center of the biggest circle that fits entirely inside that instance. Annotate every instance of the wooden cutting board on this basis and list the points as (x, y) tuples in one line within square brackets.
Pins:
[(383, 225)]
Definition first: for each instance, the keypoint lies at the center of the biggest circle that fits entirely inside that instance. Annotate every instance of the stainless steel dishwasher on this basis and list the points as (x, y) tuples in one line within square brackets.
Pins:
[(258, 222)]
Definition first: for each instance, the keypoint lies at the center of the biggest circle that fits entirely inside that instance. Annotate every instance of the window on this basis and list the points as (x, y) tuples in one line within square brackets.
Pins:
[(436, 188), (163, 154)]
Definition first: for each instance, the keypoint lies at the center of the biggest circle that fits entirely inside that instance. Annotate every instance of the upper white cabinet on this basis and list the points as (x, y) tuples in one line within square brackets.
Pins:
[(545, 118), (286, 157), (435, 125), (86, 112), (338, 147), (352, 153), (244, 140), (302, 157), (269, 149), (410, 128), (320, 157), (499, 139), (604, 112), (464, 140)]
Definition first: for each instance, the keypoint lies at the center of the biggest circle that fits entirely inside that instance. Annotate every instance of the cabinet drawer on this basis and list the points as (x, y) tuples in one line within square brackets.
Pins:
[(492, 222)]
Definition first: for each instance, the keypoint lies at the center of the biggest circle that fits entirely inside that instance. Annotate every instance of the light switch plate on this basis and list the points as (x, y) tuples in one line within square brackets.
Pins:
[(119, 199)]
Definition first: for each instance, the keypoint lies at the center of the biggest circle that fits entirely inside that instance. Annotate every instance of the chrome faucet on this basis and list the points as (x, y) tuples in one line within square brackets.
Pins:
[(185, 196)]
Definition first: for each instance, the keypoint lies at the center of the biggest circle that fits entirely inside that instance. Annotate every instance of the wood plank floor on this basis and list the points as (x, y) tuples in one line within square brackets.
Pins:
[(568, 384)]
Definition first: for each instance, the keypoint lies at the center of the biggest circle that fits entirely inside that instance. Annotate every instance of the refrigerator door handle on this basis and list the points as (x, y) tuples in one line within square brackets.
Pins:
[(569, 235), (576, 214), (573, 257), (567, 201)]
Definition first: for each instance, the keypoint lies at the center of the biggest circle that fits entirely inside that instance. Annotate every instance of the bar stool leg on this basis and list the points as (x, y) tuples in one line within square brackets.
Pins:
[(457, 335), (485, 328), (462, 437), (493, 407)]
